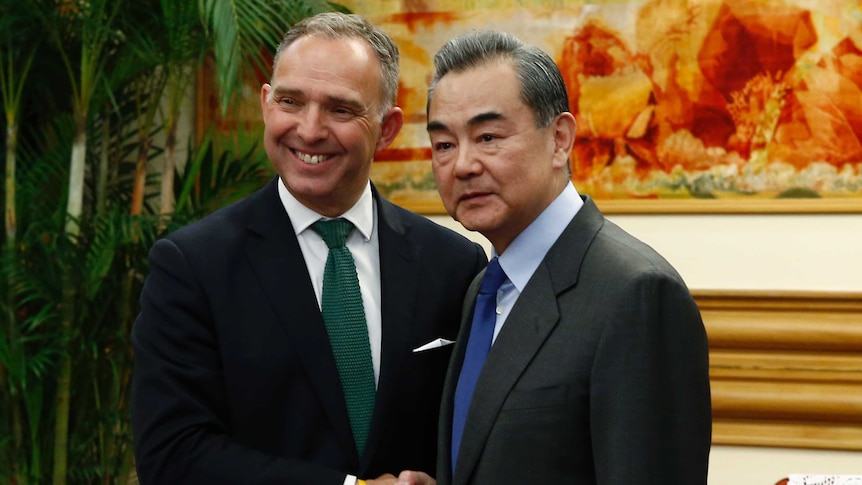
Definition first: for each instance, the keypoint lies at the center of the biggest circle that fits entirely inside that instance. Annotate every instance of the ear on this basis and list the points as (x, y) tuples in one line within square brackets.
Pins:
[(389, 128), (264, 99), (565, 128)]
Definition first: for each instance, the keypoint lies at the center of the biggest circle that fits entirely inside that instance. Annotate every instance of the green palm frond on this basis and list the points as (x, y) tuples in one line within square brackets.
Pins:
[(216, 177), (45, 155), (18, 47), (244, 34), (184, 45)]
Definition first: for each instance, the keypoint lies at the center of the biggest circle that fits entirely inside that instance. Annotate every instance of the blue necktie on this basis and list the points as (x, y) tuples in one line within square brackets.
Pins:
[(344, 317), (478, 346)]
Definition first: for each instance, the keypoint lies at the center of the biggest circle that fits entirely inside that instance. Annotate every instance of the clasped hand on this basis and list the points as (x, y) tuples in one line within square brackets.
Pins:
[(406, 477)]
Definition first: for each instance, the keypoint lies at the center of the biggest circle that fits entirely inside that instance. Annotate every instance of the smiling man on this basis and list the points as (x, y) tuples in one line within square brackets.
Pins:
[(585, 360), (283, 339)]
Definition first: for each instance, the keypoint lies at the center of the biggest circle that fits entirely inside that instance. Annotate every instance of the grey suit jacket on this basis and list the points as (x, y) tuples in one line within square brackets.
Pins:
[(235, 381), (598, 376)]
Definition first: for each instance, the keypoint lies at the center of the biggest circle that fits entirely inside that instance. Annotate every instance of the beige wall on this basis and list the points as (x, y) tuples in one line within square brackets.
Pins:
[(759, 252)]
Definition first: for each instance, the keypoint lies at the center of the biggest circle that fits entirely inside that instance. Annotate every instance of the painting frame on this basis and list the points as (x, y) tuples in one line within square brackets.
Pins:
[(424, 204), (421, 29)]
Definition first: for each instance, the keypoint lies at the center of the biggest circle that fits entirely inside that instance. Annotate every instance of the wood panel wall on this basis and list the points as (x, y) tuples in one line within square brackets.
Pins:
[(785, 368)]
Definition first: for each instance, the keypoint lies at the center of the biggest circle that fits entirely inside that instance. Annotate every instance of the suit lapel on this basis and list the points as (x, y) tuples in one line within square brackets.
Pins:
[(528, 325), (399, 280), (273, 251)]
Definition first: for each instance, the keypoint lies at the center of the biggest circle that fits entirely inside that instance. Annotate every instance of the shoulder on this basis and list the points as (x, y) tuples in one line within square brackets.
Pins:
[(597, 247), (226, 226), (629, 251)]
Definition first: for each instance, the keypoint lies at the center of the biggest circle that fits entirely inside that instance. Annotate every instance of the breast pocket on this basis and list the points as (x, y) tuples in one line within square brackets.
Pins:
[(426, 371), (529, 399)]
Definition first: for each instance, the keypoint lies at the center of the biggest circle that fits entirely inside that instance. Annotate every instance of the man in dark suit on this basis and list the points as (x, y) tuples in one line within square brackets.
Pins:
[(591, 366), (236, 378)]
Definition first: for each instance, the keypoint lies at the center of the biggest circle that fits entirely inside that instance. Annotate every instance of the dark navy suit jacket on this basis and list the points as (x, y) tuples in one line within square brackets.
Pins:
[(235, 382)]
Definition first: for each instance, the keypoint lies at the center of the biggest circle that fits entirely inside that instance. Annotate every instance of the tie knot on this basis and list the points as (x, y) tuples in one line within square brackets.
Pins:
[(494, 277), (334, 231)]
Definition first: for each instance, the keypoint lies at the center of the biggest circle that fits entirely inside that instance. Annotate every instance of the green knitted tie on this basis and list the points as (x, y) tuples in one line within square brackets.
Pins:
[(344, 317)]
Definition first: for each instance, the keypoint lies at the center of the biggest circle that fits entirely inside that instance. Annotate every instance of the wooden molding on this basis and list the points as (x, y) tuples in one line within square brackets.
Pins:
[(785, 368), (429, 204), (733, 205)]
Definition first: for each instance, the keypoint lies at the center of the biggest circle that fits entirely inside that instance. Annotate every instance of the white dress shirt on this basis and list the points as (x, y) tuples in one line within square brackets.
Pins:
[(362, 243)]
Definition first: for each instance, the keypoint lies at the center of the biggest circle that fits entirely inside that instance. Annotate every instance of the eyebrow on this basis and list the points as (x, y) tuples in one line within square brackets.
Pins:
[(283, 91), (475, 120)]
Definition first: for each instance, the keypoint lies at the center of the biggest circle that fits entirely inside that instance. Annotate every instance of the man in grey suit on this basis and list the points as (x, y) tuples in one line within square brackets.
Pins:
[(594, 367), (239, 371)]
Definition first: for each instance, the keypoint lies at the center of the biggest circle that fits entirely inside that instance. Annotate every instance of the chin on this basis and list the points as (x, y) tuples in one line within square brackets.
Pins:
[(470, 223)]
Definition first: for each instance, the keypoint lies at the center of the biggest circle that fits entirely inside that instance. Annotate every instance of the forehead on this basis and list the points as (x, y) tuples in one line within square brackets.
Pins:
[(487, 88), (344, 60)]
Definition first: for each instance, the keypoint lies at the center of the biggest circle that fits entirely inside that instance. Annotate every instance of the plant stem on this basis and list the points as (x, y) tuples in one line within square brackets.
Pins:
[(102, 176), (140, 181), (64, 384), (166, 205), (75, 202), (10, 217), (11, 226), (9, 248), (74, 209)]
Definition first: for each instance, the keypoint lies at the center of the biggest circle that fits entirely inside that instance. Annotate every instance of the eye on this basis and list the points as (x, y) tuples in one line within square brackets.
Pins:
[(442, 146), (487, 137), (343, 113), (287, 103)]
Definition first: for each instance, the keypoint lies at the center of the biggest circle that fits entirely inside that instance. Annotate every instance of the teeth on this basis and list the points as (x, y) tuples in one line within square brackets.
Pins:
[(311, 159)]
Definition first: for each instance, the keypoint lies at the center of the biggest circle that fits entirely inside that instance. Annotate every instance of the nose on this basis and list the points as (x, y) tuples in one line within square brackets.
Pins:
[(311, 126), (467, 162)]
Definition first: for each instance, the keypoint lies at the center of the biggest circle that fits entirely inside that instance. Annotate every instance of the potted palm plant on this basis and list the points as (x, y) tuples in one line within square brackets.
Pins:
[(93, 92)]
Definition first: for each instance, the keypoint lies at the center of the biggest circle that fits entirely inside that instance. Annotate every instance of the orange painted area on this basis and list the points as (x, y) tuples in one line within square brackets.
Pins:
[(732, 94), (413, 20), (403, 155)]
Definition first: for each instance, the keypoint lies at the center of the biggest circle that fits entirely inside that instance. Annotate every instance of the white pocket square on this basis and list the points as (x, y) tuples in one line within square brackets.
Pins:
[(434, 344)]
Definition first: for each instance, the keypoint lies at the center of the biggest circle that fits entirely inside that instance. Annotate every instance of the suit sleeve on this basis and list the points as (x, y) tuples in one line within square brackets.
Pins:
[(651, 414), (179, 413)]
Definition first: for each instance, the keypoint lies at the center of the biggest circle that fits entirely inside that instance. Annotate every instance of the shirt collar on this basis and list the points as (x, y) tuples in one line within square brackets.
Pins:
[(361, 214), (529, 248)]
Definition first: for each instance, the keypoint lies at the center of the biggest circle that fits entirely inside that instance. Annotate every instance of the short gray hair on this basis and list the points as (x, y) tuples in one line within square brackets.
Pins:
[(542, 85), (336, 25)]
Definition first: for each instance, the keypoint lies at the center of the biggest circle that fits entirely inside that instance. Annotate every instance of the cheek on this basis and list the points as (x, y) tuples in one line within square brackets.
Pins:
[(441, 178), (276, 123), (356, 137)]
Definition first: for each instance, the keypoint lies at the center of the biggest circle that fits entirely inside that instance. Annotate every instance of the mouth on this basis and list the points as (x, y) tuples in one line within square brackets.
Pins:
[(474, 196), (310, 159)]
